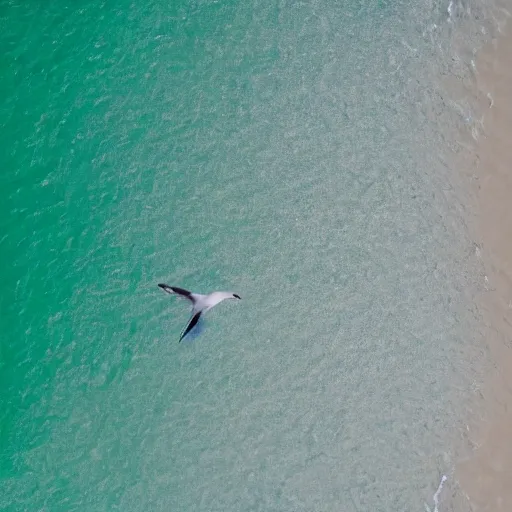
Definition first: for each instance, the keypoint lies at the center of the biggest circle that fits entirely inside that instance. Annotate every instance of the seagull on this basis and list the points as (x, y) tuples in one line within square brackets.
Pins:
[(201, 303)]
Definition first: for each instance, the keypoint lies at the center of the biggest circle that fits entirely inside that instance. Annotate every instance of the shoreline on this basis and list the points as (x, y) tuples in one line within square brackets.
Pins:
[(483, 478)]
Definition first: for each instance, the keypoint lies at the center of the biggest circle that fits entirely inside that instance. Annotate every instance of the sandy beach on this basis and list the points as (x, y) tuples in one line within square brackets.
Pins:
[(484, 478)]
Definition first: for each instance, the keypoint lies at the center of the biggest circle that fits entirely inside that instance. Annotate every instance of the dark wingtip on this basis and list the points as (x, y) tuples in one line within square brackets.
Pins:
[(237, 296), (166, 288)]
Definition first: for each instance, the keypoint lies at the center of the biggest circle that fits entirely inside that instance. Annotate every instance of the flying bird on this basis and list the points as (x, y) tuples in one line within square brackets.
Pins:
[(200, 303)]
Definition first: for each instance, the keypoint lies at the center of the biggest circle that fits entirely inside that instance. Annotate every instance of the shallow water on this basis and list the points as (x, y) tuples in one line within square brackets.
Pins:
[(290, 152)]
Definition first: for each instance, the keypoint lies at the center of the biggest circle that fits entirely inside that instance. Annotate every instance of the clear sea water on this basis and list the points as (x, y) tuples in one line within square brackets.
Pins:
[(297, 153)]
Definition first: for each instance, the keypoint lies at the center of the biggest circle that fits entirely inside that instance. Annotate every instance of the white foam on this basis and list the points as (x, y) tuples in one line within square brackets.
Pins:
[(450, 12), (436, 496)]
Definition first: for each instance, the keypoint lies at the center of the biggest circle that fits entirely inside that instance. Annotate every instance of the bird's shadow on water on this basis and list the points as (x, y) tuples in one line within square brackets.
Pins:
[(198, 329)]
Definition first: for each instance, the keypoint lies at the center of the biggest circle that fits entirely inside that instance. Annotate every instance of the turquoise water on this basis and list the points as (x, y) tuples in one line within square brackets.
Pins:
[(289, 151)]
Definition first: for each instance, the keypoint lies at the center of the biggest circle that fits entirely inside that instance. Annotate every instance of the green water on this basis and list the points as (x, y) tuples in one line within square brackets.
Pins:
[(276, 149)]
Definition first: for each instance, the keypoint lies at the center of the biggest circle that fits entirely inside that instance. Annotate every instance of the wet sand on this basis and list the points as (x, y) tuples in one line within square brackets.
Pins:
[(484, 478)]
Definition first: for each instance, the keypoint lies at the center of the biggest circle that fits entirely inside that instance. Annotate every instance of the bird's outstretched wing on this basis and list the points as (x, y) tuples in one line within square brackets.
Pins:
[(178, 291), (191, 325)]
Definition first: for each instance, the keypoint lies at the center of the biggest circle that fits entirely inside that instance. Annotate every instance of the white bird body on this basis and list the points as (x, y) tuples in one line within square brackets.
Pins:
[(201, 303)]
